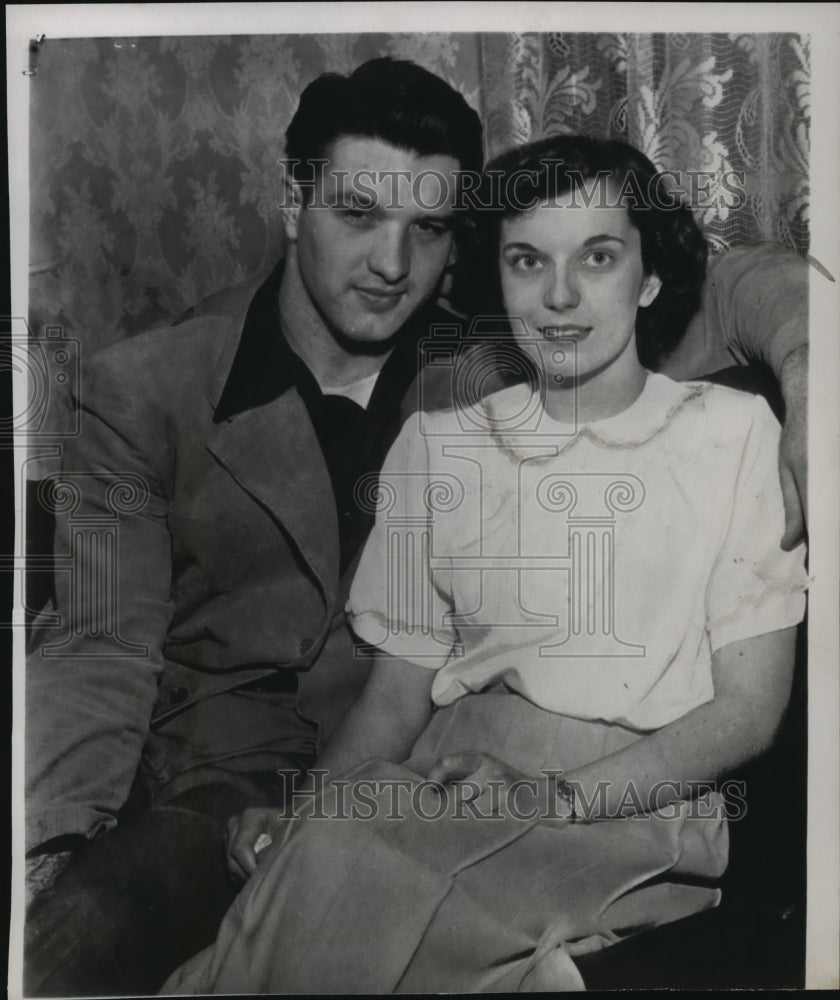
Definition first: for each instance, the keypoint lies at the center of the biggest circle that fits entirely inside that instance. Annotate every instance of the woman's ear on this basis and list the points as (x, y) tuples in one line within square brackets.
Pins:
[(650, 289), (291, 207)]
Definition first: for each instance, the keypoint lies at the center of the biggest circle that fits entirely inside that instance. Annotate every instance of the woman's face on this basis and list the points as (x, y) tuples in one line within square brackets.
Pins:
[(573, 274)]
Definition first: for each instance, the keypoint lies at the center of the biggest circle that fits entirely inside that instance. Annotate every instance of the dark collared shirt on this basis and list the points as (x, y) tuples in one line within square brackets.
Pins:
[(354, 440)]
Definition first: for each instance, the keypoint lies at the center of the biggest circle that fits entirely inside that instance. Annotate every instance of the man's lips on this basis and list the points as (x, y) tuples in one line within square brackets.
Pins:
[(381, 299), (566, 331)]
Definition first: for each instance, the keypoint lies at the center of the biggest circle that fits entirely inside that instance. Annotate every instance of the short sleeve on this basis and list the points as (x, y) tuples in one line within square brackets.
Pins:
[(398, 602), (755, 587)]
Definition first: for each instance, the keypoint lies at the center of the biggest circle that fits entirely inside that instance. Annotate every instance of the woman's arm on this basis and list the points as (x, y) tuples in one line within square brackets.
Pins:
[(752, 681), (390, 714), (385, 721)]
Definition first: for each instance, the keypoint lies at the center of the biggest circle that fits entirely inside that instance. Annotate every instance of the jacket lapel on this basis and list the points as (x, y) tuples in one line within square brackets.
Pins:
[(274, 455)]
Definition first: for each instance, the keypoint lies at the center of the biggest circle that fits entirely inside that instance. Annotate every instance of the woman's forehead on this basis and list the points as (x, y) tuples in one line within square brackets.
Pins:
[(568, 219)]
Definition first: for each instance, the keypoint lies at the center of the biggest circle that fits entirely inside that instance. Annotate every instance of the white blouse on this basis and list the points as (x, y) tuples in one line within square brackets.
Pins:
[(593, 570)]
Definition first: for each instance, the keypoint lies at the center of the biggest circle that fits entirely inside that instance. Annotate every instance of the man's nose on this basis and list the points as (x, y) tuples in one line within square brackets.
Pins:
[(389, 257), (561, 290)]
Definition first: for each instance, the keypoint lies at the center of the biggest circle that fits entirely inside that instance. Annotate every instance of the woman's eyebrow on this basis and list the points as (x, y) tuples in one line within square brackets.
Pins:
[(601, 238), (589, 241)]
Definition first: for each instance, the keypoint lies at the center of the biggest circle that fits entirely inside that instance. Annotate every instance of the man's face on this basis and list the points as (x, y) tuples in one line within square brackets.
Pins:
[(372, 248)]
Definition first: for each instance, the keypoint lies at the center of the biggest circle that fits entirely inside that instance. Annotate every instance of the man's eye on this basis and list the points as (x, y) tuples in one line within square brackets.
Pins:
[(526, 262), (357, 216), (433, 229)]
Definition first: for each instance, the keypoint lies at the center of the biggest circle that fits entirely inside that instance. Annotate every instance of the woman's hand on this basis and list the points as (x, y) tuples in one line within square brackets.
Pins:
[(494, 788), (247, 837)]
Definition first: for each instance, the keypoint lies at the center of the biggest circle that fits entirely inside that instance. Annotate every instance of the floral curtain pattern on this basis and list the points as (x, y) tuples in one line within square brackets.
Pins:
[(733, 106), (154, 174)]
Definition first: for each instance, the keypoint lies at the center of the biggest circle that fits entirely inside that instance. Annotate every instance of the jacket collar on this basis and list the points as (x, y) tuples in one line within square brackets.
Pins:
[(263, 434), (263, 366), (257, 365)]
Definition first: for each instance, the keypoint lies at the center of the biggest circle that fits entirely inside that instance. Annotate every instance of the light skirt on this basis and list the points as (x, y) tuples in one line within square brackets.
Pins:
[(464, 903)]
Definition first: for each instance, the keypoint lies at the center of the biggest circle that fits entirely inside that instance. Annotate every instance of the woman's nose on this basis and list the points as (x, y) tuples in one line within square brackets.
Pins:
[(389, 257), (561, 290)]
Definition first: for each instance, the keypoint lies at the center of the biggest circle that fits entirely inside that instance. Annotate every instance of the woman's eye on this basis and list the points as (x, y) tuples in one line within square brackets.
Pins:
[(598, 258)]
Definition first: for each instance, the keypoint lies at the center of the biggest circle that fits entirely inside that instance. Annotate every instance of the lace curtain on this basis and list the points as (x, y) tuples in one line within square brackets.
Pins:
[(153, 163), (732, 106)]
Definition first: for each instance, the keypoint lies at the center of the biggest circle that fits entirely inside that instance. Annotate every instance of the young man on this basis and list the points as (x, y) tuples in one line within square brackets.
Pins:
[(223, 454), (243, 429)]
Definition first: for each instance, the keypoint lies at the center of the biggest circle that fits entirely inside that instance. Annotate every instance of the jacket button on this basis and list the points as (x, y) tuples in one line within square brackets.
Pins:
[(305, 646), (179, 695)]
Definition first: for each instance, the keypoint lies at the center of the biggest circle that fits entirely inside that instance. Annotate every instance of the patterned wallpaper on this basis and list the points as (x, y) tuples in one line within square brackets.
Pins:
[(154, 176)]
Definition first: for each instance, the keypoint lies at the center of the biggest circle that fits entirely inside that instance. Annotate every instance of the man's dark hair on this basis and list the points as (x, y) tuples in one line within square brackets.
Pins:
[(672, 244), (388, 99)]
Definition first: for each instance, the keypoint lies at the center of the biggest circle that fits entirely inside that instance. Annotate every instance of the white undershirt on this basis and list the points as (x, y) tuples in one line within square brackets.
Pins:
[(359, 392)]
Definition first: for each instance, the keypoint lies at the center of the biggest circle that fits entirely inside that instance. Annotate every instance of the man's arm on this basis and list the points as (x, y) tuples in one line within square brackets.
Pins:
[(755, 311), (92, 683), (793, 447)]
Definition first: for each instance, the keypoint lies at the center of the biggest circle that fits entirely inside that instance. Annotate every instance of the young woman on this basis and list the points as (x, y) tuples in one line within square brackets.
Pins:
[(584, 620)]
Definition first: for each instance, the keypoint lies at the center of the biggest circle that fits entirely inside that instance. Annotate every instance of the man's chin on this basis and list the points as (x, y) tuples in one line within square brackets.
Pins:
[(372, 340)]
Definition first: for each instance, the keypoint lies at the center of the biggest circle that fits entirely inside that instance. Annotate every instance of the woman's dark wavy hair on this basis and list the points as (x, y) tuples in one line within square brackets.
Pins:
[(393, 100), (672, 245)]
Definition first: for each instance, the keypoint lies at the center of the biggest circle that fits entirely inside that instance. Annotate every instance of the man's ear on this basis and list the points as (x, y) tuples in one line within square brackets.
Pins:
[(650, 289), (291, 207)]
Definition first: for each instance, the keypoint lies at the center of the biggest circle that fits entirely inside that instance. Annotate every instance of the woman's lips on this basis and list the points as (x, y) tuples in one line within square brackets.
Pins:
[(568, 331)]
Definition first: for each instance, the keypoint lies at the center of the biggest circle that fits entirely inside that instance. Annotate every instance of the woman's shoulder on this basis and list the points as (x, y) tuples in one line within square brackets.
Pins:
[(720, 428), (721, 405), (727, 404)]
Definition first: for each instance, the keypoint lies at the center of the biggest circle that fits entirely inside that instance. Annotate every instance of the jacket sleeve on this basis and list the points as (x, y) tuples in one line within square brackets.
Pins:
[(92, 671), (754, 310)]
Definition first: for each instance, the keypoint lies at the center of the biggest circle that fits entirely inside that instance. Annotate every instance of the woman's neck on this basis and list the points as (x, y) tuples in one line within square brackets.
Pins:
[(600, 395)]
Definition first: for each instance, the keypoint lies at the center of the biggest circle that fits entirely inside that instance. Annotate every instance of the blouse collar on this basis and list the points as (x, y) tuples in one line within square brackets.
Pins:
[(515, 416)]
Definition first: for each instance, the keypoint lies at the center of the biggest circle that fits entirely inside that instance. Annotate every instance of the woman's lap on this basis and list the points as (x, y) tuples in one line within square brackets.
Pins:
[(400, 902)]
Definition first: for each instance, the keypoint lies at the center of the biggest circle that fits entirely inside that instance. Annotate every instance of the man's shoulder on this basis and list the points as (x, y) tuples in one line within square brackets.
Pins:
[(231, 302), (185, 347)]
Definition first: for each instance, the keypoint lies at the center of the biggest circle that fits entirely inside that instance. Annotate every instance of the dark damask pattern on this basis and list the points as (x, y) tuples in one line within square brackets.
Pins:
[(154, 173)]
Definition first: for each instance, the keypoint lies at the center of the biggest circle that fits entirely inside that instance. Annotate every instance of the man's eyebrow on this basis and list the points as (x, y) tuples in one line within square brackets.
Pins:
[(445, 220), (356, 199), (520, 246)]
